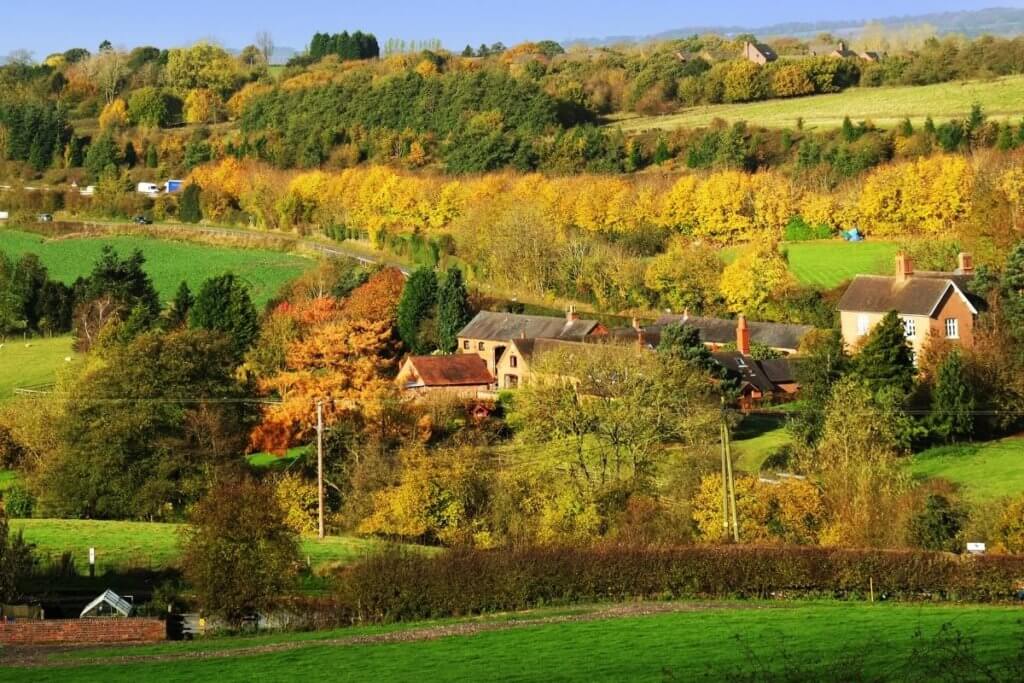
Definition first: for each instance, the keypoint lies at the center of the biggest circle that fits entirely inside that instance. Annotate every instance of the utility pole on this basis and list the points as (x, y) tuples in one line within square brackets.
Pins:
[(732, 485), (725, 483), (320, 465)]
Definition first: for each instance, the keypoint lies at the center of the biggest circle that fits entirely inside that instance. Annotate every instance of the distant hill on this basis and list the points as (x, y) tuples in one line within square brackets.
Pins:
[(1002, 21)]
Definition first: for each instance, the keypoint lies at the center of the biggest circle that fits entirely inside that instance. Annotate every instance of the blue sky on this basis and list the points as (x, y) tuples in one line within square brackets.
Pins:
[(56, 25)]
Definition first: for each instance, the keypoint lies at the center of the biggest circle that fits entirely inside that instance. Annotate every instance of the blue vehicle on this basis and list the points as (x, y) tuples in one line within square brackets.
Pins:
[(853, 235), (172, 186)]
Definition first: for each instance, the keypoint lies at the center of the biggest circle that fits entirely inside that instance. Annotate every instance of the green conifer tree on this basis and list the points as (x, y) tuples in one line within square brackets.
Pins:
[(452, 310), (885, 362), (415, 307), (188, 206), (953, 401)]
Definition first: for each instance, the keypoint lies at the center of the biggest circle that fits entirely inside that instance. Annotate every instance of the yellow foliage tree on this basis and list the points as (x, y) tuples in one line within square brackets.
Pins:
[(203, 106), (114, 115), (790, 511), (750, 281), (723, 207)]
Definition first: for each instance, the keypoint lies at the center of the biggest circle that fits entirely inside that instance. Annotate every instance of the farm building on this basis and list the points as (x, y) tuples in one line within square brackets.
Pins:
[(463, 375)]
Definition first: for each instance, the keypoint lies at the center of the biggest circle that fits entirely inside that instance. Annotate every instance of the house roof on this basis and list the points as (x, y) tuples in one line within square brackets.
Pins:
[(530, 348), (494, 326), (111, 598), (464, 369), (920, 294), (779, 370), (747, 369), (723, 331), (765, 50)]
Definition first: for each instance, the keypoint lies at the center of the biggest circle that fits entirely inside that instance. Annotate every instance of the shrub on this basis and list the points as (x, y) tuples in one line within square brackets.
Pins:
[(18, 501), (798, 230), (400, 585)]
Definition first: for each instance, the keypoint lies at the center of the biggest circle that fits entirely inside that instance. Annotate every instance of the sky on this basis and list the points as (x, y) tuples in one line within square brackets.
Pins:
[(56, 25)]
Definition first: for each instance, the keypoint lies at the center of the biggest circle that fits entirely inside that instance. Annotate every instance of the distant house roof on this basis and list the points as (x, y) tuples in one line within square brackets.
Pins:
[(111, 599), (764, 375), (767, 51), (785, 336), (494, 326), (464, 369), (528, 349), (920, 294)]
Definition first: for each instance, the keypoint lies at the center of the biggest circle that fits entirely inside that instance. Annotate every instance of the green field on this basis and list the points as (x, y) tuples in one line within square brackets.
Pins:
[(1001, 99), (727, 641), (29, 362), (828, 263), (167, 262), (153, 545), (986, 471), (755, 439)]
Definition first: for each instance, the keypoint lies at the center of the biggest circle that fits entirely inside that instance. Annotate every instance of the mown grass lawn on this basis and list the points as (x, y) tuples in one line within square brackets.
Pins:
[(807, 641), (756, 438), (28, 362), (825, 264), (1000, 98), (987, 471), (152, 544), (167, 262)]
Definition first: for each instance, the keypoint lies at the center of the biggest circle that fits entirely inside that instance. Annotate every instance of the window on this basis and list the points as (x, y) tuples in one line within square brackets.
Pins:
[(909, 328), (513, 362), (465, 345), (862, 324), (479, 346), (511, 381), (952, 328)]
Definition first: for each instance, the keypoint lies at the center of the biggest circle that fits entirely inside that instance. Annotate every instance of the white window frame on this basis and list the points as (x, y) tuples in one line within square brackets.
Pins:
[(863, 324), (909, 328), (953, 323)]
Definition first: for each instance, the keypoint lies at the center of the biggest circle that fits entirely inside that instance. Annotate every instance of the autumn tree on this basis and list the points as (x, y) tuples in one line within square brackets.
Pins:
[(751, 281), (238, 554), (453, 311), (114, 115), (203, 106)]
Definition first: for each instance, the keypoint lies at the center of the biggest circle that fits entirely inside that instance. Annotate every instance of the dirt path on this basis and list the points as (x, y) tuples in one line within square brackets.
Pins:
[(41, 657)]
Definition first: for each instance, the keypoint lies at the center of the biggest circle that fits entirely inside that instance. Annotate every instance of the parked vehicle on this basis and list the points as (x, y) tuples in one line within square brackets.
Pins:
[(45, 218), (141, 220), (172, 186), (4, 215), (152, 189)]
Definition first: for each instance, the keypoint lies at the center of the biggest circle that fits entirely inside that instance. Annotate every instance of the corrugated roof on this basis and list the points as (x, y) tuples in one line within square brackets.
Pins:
[(918, 295), (723, 331), (494, 326), (464, 369)]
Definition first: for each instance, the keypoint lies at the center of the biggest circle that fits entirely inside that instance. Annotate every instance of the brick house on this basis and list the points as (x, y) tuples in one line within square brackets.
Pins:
[(931, 304), (460, 375), (489, 334), (758, 53), (514, 366)]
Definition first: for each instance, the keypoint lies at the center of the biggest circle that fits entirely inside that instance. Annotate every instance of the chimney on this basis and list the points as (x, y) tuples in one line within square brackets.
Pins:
[(904, 267), (965, 263), (571, 314), (636, 323), (842, 46), (742, 336)]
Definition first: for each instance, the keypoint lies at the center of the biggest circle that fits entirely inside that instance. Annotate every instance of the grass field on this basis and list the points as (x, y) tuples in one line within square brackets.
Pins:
[(730, 641), (1001, 99), (827, 263), (755, 439), (167, 262), (153, 545), (28, 362), (986, 471)]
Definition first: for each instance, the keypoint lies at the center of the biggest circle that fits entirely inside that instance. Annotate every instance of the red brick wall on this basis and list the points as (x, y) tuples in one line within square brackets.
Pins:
[(98, 630)]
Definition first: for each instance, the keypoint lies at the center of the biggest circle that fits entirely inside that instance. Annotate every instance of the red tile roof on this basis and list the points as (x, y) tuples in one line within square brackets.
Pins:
[(446, 371)]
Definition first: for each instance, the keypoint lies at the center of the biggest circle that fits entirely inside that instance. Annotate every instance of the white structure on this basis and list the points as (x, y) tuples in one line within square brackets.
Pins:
[(109, 604), (4, 215), (151, 189)]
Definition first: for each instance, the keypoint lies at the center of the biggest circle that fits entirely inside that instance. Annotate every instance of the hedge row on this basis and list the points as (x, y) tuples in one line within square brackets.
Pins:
[(400, 585)]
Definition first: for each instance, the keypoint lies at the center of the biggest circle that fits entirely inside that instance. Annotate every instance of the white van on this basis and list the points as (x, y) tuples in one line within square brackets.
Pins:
[(152, 189)]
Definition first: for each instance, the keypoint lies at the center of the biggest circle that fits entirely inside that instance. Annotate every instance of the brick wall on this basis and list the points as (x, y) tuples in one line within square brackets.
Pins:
[(98, 630)]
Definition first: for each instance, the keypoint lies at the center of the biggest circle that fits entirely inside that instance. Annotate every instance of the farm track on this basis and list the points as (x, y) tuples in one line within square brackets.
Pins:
[(40, 657)]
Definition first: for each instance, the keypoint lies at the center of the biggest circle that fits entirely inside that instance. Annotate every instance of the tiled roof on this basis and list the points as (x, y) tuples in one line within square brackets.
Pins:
[(723, 331), (920, 294), (494, 326), (464, 369)]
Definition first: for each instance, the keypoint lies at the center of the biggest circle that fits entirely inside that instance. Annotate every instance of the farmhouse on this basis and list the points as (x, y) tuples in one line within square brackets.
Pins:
[(758, 53), (461, 375), (931, 304), (489, 334)]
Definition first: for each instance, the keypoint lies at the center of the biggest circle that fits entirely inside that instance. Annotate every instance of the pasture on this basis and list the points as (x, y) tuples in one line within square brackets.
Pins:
[(121, 545), (985, 471), (1000, 98), (29, 362), (825, 264), (167, 262), (636, 641)]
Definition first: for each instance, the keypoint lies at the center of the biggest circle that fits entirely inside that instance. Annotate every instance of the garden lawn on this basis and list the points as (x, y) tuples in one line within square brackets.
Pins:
[(167, 262), (31, 362), (986, 471), (1000, 98), (755, 439), (745, 641), (825, 264), (153, 545)]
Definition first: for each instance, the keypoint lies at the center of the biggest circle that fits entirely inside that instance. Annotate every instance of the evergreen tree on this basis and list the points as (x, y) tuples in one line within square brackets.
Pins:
[(130, 156), (152, 157), (953, 402), (684, 342), (416, 306), (177, 314), (1012, 291), (906, 128), (188, 206), (661, 154), (452, 310), (223, 305), (102, 156), (468, 51), (1006, 139), (850, 133), (123, 280), (885, 362), (821, 363), (975, 121), (929, 126)]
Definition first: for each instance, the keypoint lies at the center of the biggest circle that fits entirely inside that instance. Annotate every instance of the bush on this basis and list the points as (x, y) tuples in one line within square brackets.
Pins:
[(798, 230), (400, 585), (18, 501)]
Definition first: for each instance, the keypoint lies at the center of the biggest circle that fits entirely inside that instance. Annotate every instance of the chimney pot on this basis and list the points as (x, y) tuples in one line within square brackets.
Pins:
[(904, 267), (571, 313), (742, 336), (965, 263)]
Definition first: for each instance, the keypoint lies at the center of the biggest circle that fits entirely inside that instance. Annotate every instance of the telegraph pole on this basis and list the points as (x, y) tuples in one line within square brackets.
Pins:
[(732, 485), (320, 466), (725, 483)]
